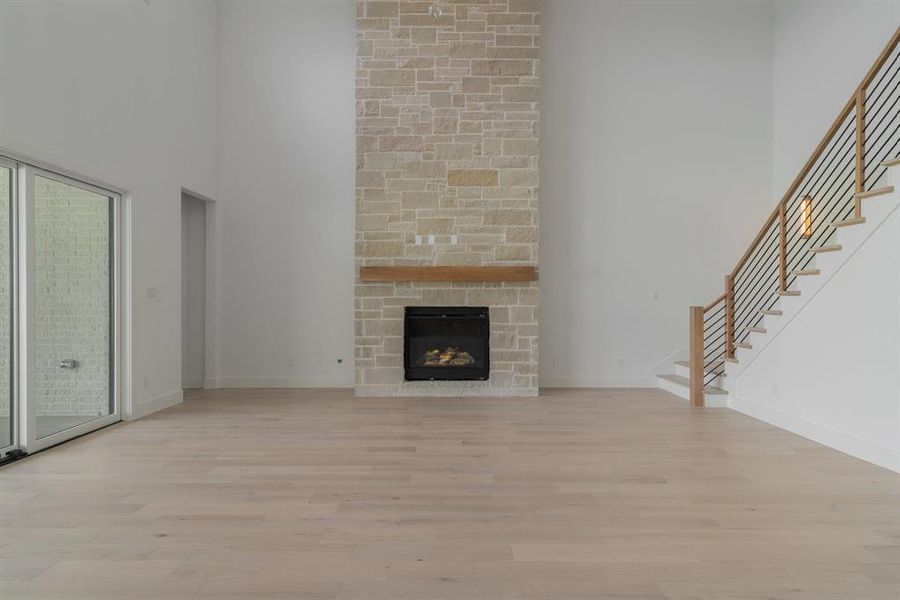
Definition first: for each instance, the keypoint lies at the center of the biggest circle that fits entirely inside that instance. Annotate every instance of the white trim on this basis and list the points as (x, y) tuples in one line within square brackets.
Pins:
[(26, 159), (190, 383), (848, 444), (13, 314), (146, 407), (65, 435), (312, 381), (126, 265), (211, 366), (557, 381), (26, 351)]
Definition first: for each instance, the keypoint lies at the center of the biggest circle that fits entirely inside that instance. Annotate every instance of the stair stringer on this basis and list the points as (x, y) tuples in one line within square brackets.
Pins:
[(876, 210)]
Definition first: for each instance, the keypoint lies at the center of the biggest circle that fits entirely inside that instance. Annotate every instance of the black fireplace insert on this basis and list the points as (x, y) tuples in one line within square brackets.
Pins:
[(446, 343)]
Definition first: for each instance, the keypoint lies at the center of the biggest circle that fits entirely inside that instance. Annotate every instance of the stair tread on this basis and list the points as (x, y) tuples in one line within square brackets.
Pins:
[(757, 329), (887, 189), (850, 221), (801, 272), (788, 293), (827, 248), (744, 345), (732, 360), (891, 162), (717, 368), (771, 312), (709, 389)]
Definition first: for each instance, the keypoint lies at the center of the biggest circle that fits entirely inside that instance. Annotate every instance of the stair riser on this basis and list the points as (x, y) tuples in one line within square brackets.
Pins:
[(674, 388), (710, 400)]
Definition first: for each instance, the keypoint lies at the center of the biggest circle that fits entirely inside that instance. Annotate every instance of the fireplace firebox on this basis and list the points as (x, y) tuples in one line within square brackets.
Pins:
[(446, 343)]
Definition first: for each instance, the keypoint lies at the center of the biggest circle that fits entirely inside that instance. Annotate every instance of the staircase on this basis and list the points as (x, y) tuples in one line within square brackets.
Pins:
[(847, 188)]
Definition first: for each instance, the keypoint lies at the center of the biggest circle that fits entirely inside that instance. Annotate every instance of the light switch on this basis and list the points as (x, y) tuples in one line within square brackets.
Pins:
[(418, 240), (431, 240), (454, 239)]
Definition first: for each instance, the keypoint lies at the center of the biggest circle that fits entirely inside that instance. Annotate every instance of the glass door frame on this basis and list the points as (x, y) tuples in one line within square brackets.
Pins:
[(27, 298), (14, 404)]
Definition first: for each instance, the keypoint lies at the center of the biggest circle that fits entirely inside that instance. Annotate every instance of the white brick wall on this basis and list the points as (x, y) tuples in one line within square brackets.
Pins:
[(72, 288)]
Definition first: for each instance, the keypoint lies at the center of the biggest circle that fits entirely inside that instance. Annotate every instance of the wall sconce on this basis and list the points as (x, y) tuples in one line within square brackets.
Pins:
[(806, 217)]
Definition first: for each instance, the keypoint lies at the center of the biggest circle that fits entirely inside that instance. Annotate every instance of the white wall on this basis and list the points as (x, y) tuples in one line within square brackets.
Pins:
[(833, 372), (655, 174), (286, 182), (822, 51), (125, 92)]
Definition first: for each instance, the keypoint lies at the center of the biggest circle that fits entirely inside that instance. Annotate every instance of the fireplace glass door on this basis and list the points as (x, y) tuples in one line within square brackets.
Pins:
[(446, 343)]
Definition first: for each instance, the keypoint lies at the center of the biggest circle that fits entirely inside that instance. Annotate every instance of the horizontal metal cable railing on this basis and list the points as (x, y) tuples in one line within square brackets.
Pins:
[(826, 192), (713, 340)]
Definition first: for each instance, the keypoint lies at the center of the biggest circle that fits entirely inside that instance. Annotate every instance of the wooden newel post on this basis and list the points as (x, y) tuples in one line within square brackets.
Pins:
[(860, 148), (696, 349), (729, 316)]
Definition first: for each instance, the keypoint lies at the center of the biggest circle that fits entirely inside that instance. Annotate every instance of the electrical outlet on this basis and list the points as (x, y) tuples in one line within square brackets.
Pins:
[(454, 239), (340, 362), (431, 240), (146, 383), (151, 292), (418, 240), (655, 294), (621, 362)]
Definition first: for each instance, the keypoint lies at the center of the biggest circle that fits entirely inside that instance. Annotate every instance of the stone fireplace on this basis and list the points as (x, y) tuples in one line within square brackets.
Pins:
[(447, 175)]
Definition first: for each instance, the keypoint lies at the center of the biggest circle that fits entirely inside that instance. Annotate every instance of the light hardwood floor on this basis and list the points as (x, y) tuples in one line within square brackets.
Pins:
[(589, 494)]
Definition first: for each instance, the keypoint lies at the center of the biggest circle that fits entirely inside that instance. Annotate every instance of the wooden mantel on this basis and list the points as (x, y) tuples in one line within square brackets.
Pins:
[(444, 273)]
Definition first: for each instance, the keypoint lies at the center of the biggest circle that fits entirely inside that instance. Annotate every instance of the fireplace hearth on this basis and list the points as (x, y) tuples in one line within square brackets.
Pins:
[(446, 343)]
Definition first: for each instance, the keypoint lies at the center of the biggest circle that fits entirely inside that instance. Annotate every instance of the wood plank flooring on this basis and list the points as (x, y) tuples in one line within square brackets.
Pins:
[(576, 494)]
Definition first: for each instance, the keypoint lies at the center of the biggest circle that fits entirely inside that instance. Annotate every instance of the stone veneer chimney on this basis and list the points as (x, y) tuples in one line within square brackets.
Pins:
[(447, 126)]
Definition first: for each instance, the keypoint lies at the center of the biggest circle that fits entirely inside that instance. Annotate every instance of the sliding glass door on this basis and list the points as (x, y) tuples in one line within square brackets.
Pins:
[(7, 302), (73, 312), (59, 307)]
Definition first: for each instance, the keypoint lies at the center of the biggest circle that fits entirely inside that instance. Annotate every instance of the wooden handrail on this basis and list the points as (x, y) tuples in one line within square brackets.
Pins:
[(713, 303), (845, 111)]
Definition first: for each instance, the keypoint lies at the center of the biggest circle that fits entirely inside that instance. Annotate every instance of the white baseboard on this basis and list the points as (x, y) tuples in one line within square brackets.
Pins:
[(142, 409), (848, 444), (313, 381), (191, 383), (557, 381)]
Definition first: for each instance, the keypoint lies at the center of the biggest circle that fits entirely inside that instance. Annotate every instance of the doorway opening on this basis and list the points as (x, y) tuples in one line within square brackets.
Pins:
[(196, 292)]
